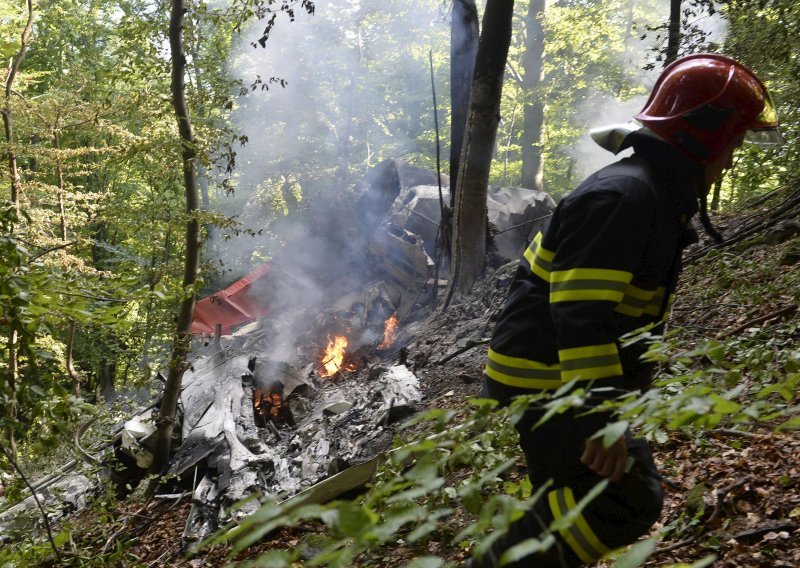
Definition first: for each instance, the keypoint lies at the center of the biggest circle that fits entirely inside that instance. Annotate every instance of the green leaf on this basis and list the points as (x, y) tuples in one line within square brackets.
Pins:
[(350, 519), (612, 432), (526, 548), (637, 554)]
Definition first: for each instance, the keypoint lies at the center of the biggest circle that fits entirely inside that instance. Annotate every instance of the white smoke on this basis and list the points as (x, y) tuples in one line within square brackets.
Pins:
[(349, 65)]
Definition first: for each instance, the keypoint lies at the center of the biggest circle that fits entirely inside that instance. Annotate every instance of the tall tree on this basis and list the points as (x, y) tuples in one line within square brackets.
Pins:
[(8, 128), (468, 254), (180, 345), (533, 112), (13, 337), (674, 31), (463, 49)]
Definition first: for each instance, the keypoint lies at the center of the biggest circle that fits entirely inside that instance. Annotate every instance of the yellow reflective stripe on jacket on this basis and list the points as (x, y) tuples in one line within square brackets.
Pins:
[(634, 301), (654, 307), (539, 258), (588, 284), (579, 535), (523, 373), (590, 362)]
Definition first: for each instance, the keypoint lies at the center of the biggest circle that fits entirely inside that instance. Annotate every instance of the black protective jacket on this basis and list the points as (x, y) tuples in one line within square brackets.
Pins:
[(605, 265)]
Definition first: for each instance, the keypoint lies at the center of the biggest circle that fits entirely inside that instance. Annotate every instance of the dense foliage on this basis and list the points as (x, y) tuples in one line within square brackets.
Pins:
[(290, 101)]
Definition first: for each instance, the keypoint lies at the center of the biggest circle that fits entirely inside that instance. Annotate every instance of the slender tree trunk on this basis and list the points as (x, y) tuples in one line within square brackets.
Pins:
[(674, 39), (105, 378), (202, 171), (13, 381), (463, 49), (76, 380), (626, 48), (347, 129), (180, 346), (60, 177), (8, 127), (533, 113), (468, 258), (509, 138)]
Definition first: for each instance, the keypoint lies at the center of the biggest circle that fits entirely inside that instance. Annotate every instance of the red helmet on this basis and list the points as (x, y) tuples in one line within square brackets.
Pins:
[(702, 102)]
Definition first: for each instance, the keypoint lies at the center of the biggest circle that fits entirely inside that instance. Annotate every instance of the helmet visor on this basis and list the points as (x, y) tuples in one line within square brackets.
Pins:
[(765, 131), (765, 137)]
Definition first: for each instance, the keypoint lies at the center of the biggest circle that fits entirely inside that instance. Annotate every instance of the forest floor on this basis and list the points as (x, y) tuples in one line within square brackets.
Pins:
[(736, 495)]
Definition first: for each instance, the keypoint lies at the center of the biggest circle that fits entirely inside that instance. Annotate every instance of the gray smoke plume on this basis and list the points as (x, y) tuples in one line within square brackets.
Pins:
[(318, 88)]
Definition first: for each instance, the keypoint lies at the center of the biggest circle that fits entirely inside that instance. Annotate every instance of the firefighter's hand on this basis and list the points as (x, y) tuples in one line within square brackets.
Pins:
[(609, 462)]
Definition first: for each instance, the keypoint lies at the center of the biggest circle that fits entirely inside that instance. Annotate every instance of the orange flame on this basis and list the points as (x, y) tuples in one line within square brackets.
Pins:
[(334, 356), (389, 332), (268, 402)]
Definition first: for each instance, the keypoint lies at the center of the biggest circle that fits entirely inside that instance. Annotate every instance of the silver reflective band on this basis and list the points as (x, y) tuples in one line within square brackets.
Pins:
[(612, 137), (765, 137)]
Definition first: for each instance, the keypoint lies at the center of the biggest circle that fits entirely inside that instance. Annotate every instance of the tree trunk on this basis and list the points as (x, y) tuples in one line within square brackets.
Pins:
[(468, 258), (202, 171), (674, 39), (533, 113), (8, 127), (626, 48), (510, 137), (180, 346), (463, 49), (347, 127), (13, 381), (60, 176), (105, 379), (73, 374)]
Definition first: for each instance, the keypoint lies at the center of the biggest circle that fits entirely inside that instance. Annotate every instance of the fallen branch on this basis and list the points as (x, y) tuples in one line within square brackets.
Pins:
[(785, 210), (784, 311), (51, 249), (523, 224), (737, 433), (470, 344), (721, 494)]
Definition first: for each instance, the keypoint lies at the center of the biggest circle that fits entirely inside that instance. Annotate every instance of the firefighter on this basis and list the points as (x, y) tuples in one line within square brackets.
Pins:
[(605, 266)]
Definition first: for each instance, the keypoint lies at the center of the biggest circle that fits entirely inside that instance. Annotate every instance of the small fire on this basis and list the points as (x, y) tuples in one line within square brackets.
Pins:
[(268, 403), (334, 356), (389, 332)]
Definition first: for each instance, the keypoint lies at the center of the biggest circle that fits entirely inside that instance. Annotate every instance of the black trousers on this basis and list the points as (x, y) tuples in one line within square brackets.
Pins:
[(618, 516)]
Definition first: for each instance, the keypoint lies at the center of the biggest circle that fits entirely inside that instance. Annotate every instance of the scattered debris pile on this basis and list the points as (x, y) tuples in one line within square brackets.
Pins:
[(236, 445)]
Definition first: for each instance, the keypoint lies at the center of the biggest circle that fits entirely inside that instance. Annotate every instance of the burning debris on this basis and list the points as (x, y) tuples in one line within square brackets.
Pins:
[(333, 358), (256, 426), (389, 332)]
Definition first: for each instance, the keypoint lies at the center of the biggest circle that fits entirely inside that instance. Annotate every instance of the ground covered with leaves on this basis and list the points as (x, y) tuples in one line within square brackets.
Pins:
[(723, 421)]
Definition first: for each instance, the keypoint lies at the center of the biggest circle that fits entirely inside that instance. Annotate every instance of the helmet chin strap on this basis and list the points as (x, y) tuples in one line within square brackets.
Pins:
[(705, 221)]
